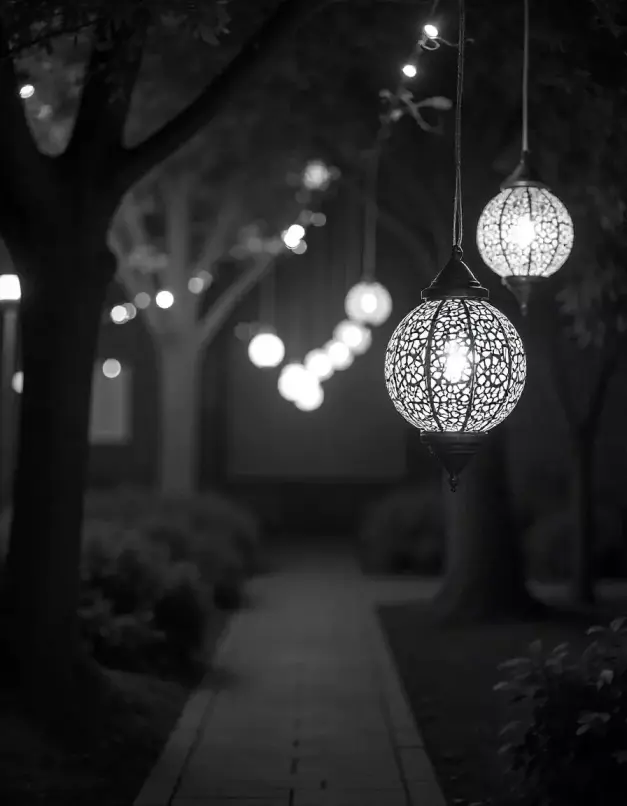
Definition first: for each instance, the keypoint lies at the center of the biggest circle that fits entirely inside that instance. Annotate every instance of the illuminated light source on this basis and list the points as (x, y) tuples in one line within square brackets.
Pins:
[(119, 315), (455, 367), (410, 70), (310, 398), (339, 355), (266, 350), (196, 285), (316, 175), (369, 303), (10, 289), (293, 379), (319, 364), (165, 299), (318, 220), (354, 335), (131, 310), (431, 31), (17, 382), (300, 248), (111, 368), (293, 236), (525, 233), (142, 300), (27, 91)]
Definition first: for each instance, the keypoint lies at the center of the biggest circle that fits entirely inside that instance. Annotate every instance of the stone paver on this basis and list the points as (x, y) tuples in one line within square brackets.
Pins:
[(314, 713)]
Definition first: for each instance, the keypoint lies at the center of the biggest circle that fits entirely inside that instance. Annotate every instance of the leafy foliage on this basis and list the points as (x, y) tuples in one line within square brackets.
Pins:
[(567, 745)]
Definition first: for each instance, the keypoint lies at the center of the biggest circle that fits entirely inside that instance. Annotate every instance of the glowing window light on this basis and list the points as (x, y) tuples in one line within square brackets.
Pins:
[(111, 368), (369, 303), (17, 382), (310, 398), (10, 288), (119, 315), (266, 350), (293, 236), (27, 91), (196, 285), (319, 364), (300, 248), (410, 70), (355, 336), (165, 299), (293, 379), (431, 31), (142, 300), (316, 175), (339, 355)]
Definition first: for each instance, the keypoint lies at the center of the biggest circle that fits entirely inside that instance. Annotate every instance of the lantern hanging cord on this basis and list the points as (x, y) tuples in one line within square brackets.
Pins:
[(525, 84), (372, 207), (458, 213)]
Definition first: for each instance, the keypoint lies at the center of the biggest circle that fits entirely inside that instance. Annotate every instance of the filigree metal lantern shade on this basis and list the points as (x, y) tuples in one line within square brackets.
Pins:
[(524, 234), (455, 367)]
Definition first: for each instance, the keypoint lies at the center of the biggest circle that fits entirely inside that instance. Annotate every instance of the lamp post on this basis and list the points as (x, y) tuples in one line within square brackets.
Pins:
[(10, 295)]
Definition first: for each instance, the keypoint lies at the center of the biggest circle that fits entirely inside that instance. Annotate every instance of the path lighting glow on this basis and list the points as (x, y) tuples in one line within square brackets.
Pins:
[(119, 315), (293, 236), (369, 303), (27, 91), (10, 289), (142, 300), (431, 31), (293, 379), (354, 335), (319, 364), (165, 299), (266, 350), (410, 70), (17, 382), (310, 398), (339, 355), (111, 368)]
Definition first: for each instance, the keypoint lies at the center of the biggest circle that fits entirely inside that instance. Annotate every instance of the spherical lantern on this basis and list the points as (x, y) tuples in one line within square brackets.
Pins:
[(339, 355), (266, 350), (369, 303), (292, 379), (319, 364), (455, 366), (355, 336), (524, 234)]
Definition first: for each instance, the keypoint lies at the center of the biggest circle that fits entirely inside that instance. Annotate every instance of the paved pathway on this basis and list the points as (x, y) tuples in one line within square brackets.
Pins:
[(313, 713)]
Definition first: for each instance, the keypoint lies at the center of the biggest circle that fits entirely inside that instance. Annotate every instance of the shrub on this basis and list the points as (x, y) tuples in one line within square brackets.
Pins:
[(549, 545), (404, 532), (569, 745)]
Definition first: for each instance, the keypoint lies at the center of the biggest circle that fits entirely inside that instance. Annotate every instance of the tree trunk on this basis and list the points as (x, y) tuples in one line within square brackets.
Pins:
[(179, 370), (59, 319), (582, 490), (485, 576)]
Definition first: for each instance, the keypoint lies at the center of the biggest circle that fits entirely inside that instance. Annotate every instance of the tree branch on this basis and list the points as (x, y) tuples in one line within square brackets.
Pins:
[(219, 312), (216, 241), (256, 55)]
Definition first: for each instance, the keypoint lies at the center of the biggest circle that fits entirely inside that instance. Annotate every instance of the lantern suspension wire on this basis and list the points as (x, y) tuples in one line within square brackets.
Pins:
[(371, 216), (525, 83), (458, 212)]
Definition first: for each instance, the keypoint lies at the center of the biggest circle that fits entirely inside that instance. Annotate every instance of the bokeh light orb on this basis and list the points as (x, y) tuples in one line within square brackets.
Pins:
[(164, 299), (310, 397), (525, 231), (10, 288), (355, 336), (293, 235), (266, 350), (319, 364), (293, 379), (119, 315), (368, 303), (111, 368), (339, 355), (455, 365)]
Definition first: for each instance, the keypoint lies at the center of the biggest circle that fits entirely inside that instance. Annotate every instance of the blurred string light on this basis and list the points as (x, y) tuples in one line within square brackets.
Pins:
[(430, 31), (266, 349), (339, 354), (316, 175), (319, 364), (165, 299), (525, 233), (119, 315), (142, 300), (111, 368), (27, 91), (293, 236), (410, 70), (310, 397), (354, 335)]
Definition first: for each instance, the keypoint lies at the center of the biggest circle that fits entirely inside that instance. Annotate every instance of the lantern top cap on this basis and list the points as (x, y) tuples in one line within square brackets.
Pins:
[(525, 175), (455, 280)]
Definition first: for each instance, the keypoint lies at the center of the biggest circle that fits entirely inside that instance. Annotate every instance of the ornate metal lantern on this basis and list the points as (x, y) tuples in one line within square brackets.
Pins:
[(455, 367)]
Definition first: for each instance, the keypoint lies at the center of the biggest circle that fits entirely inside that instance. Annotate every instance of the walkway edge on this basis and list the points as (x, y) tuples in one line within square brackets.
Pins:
[(159, 788)]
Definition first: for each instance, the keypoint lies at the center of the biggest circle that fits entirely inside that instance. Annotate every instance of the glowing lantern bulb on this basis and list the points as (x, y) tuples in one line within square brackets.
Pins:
[(431, 31)]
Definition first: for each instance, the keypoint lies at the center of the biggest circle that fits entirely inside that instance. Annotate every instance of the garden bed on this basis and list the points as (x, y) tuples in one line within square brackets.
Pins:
[(449, 674)]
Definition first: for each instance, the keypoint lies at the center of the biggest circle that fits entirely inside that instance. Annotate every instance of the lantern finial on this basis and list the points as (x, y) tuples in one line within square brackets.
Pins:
[(455, 281), (525, 175), (453, 450)]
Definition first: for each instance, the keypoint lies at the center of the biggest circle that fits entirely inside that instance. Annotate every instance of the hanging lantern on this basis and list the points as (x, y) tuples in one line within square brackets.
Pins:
[(266, 350), (368, 303), (455, 366), (524, 234), (355, 336), (339, 354), (319, 364)]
